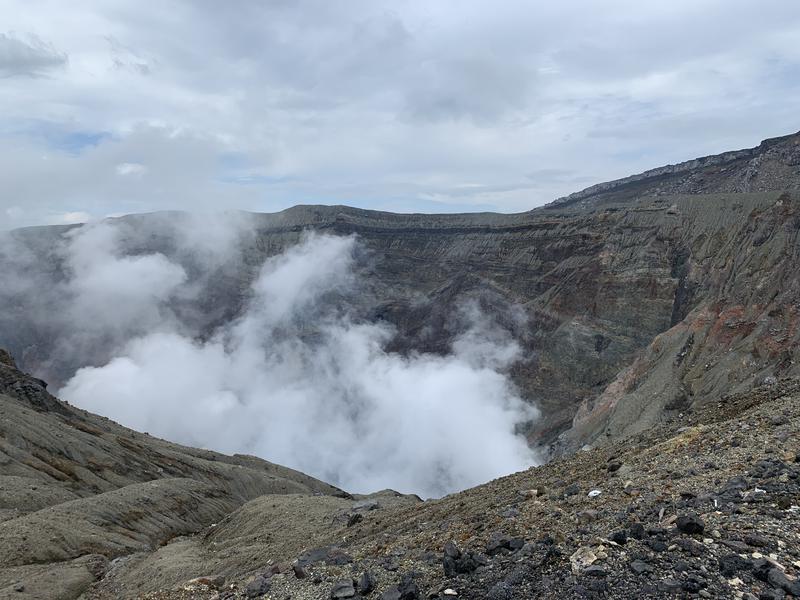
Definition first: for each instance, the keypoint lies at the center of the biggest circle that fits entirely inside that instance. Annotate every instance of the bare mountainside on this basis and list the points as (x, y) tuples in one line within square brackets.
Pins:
[(657, 322), (640, 298), (703, 506)]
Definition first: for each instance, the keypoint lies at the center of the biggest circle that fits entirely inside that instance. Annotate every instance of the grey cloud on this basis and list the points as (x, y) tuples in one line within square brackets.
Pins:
[(483, 88), (125, 58), (27, 56), (386, 104), (558, 175)]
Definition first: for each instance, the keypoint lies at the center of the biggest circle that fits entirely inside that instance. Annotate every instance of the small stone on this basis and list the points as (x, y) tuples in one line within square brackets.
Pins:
[(343, 589), (582, 558), (456, 562), (681, 566), (450, 592), (497, 543), (793, 588), (761, 568), (19, 587), (337, 556), (754, 539), (515, 544), (299, 571), (669, 585), (258, 587), (407, 588), (778, 420), (693, 585), (776, 578), (510, 512), (451, 550), (736, 545), (730, 564), (690, 524), (594, 493), (692, 547), (366, 583), (595, 571), (619, 537), (277, 569), (393, 593), (636, 531), (639, 567), (657, 545)]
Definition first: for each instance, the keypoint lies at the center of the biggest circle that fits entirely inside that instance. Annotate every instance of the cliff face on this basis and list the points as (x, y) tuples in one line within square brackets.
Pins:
[(734, 315), (772, 165), (642, 297)]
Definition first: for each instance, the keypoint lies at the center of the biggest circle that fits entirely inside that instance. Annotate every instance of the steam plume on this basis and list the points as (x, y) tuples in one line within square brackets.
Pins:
[(297, 378)]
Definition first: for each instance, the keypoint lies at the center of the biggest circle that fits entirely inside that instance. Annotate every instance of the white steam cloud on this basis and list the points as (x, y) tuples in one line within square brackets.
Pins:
[(111, 293), (296, 378)]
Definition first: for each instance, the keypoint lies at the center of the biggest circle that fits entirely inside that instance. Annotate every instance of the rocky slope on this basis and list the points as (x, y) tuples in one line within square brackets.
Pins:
[(77, 490), (642, 296), (772, 165), (704, 506)]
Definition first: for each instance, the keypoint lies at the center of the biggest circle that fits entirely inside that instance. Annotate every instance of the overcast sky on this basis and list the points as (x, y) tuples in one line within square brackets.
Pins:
[(127, 106)]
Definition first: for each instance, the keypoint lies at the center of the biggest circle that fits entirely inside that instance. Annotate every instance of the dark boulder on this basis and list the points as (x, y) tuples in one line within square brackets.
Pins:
[(619, 537), (730, 564), (636, 531), (366, 583), (497, 543), (690, 524)]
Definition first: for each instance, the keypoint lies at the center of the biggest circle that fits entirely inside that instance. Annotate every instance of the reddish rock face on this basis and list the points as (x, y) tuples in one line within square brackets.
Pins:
[(741, 327)]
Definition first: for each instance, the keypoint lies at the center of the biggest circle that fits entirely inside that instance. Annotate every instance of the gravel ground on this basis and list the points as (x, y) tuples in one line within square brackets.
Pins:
[(705, 506)]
